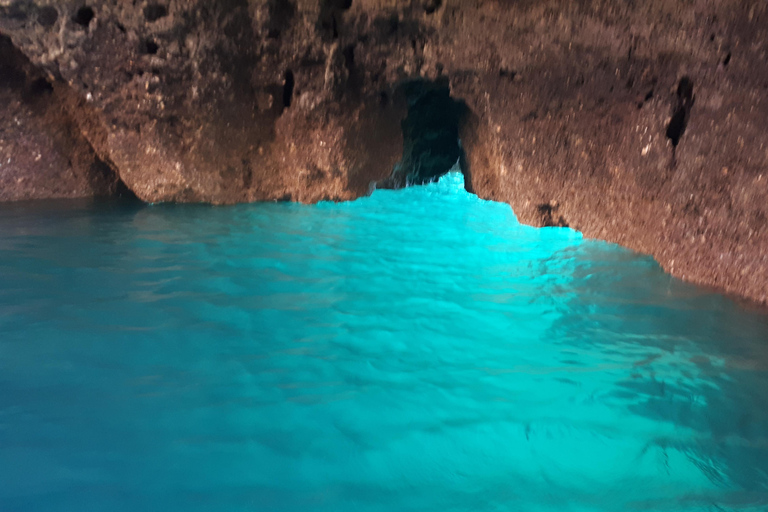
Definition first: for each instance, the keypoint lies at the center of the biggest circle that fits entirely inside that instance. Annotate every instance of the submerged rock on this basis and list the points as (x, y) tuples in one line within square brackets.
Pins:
[(643, 123)]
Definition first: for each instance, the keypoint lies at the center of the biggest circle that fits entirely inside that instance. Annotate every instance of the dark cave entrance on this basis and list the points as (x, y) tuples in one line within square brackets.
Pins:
[(431, 145)]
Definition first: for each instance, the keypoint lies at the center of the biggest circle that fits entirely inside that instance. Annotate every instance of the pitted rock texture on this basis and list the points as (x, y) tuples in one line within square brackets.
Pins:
[(642, 123), (223, 101)]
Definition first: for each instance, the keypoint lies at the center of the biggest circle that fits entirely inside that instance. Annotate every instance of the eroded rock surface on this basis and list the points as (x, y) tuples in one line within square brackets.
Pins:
[(642, 122), (222, 101), (578, 128), (42, 153)]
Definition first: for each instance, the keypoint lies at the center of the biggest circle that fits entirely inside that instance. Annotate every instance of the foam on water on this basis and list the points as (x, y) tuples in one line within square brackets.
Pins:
[(416, 350)]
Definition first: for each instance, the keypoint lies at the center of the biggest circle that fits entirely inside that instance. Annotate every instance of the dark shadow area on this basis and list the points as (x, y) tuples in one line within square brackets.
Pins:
[(83, 16), (47, 16), (36, 89), (12, 74), (330, 19), (550, 216), (103, 176), (281, 13), (125, 194), (19, 77), (148, 47), (430, 6), (682, 111), (289, 82), (154, 12), (431, 145), (28, 97)]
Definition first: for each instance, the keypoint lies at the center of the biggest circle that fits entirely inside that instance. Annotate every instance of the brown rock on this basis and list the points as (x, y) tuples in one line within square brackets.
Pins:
[(615, 118), (42, 154)]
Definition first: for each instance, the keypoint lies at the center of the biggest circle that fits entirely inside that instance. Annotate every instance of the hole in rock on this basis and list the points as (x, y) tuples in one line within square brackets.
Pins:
[(430, 6), (47, 16), (288, 84), (681, 112), (727, 60), (149, 47), (83, 16), (431, 145), (154, 12)]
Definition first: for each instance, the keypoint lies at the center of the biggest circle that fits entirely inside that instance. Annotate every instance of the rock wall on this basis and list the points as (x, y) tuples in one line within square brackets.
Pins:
[(642, 122), (221, 101), (42, 153)]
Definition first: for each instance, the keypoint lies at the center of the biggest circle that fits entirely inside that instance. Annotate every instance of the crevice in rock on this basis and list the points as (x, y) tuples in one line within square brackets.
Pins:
[(431, 145), (683, 104), (349, 57), (355, 77), (289, 83)]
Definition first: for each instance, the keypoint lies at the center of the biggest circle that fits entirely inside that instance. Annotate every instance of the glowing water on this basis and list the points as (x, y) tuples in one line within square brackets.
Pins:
[(417, 350)]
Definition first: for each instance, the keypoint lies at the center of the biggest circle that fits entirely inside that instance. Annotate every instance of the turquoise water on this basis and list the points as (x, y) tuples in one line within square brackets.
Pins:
[(417, 350)]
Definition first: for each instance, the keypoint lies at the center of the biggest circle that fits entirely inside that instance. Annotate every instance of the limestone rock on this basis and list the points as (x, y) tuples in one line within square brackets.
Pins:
[(573, 112)]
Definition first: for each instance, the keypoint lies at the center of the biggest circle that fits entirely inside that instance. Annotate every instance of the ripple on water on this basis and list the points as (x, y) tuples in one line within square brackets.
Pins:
[(413, 350)]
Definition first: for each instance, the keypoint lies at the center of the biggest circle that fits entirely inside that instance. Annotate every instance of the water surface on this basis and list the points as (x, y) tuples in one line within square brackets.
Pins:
[(417, 350)]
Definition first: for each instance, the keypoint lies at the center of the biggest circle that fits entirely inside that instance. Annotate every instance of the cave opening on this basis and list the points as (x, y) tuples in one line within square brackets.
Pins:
[(431, 144)]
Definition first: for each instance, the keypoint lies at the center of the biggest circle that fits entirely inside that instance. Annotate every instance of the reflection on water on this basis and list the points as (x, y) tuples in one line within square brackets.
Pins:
[(414, 350)]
